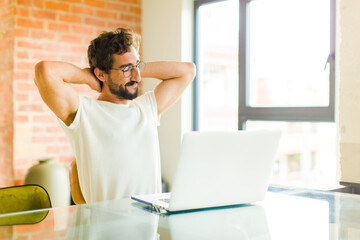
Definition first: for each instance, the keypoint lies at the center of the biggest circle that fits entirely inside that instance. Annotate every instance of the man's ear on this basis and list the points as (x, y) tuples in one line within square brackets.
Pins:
[(100, 74)]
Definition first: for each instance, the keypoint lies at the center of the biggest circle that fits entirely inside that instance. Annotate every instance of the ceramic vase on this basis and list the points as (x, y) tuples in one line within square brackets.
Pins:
[(54, 178)]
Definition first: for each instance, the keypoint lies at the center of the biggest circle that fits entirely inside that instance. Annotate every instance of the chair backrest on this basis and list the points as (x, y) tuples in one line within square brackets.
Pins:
[(20, 199)]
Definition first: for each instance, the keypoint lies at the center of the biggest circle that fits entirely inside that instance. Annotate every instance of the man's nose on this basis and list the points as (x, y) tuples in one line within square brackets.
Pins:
[(135, 74)]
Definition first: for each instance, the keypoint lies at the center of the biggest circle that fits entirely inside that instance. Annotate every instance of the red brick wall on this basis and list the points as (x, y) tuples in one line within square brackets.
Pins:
[(6, 92), (47, 30)]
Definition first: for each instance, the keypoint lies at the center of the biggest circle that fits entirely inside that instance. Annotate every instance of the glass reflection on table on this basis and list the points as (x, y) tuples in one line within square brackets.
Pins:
[(295, 214)]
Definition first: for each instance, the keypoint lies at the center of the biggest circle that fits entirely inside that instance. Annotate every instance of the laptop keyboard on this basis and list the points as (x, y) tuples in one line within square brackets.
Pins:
[(167, 200)]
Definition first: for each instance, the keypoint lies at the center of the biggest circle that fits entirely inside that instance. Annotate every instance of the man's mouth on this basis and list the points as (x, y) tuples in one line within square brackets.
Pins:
[(131, 84)]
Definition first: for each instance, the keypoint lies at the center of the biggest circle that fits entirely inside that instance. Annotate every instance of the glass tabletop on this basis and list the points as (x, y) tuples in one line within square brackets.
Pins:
[(288, 214)]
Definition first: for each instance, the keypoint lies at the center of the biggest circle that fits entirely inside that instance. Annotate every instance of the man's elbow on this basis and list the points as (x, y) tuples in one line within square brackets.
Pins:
[(41, 69), (191, 72)]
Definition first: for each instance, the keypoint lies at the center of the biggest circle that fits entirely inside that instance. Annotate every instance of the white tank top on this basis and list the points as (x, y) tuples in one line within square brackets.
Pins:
[(116, 147)]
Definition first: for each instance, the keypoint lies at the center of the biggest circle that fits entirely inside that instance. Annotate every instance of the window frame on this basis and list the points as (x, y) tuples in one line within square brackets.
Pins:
[(247, 112)]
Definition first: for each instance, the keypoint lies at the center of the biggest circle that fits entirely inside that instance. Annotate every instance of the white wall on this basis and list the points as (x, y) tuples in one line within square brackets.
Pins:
[(167, 35), (348, 88)]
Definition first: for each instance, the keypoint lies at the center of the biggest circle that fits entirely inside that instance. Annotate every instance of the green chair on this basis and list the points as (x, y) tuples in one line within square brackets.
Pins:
[(16, 200)]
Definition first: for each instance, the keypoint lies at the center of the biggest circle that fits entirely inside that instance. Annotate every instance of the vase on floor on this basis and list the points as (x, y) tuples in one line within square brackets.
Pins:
[(54, 177)]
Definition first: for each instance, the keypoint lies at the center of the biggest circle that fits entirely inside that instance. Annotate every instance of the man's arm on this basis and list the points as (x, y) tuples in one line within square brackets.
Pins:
[(175, 76), (54, 79), (76, 192)]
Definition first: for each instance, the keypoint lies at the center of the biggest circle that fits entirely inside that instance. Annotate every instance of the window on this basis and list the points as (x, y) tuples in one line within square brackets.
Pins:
[(217, 63), (270, 64)]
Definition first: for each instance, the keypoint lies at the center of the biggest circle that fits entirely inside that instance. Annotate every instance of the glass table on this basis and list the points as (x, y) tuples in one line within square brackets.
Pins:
[(286, 214)]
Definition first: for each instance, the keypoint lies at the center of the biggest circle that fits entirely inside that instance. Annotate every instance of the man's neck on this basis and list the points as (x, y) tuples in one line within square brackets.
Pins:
[(111, 98)]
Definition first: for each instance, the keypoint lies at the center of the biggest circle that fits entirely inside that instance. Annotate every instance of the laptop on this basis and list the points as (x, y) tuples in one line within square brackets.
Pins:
[(217, 169)]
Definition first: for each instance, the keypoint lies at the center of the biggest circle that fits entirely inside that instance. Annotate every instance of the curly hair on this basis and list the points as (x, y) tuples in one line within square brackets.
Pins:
[(102, 48)]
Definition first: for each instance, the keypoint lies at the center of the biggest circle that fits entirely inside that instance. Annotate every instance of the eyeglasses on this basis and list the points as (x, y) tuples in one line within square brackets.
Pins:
[(128, 69)]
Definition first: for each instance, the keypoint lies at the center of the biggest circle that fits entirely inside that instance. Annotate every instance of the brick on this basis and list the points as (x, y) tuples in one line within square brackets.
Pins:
[(21, 118), (25, 86), (19, 172), (4, 45), (6, 55), (5, 78), (42, 35), (6, 129), (87, 40), (131, 1), (22, 54), (7, 23), (95, 22), (19, 182), (129, 18), (29, 45), (18, 32), (44, 119), (70, 18), (57, 6), (53, 129), (6, 12), (25, 66), (7, 182), (6, 118), (6, 160), (38, 130), (63, 139), (82, 30), (114, 25), (46, 139), (6, 97), (6, 66), (54, 47), (30, 108), (57, 149), (70, 38), (28, 150), (6, 170), (72, 1), (136, 10), (95, 3), (8, 33), (22, 11), (22, 97), (44, 56), (58, 27), (79, 49), (24, 161), (21, 130), (36, 96), (5, 87), (43, 14), (117, 6), (31, 3), (28, 23), (6, 139), (21, 75), (71, 58), (67, 159), (106, 14), (82, 10)]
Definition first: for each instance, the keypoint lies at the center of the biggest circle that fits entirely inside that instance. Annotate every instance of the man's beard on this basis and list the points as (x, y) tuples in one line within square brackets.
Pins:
[(121, 91)]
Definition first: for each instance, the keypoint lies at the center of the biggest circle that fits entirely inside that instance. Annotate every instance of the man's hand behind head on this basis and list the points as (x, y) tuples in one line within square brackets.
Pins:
[(93, 82)]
